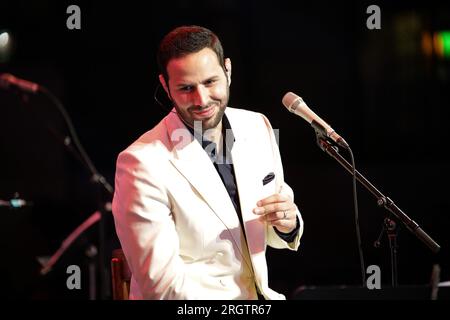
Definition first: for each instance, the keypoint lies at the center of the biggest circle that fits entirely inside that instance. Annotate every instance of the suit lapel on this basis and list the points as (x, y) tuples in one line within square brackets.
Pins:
[(245, 162), (194, 164)]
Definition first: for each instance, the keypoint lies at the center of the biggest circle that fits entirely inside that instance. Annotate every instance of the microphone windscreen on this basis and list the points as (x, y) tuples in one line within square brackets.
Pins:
[(288, 99)]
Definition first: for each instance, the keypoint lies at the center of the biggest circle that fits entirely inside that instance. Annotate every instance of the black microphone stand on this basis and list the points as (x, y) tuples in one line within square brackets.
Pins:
[(390, 227), (382, 201), (101, 183), (69, 141)]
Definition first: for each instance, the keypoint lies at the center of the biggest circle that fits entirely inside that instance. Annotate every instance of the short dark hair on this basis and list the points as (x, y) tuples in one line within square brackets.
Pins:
[(185, 40)]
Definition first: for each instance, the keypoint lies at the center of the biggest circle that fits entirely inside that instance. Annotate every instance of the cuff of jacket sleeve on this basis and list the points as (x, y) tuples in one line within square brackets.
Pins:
[(289, 237)]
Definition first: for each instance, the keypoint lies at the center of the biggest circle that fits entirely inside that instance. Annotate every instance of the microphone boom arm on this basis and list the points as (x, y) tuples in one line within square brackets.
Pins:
[(382, 200)]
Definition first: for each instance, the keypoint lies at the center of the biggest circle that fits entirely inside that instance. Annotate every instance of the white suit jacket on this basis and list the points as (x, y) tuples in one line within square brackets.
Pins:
[(176, 223)]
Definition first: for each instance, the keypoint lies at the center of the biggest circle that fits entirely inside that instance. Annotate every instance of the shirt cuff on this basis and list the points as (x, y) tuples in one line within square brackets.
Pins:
[(289, 237)]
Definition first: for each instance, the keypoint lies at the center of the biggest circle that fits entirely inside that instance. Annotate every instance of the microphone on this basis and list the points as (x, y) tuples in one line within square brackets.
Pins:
[(7, 80), (295, 104)]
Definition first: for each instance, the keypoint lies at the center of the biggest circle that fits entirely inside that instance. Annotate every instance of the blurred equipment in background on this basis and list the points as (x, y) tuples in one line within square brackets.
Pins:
[(20, 242), (6, 46), (360, 293), (72, 143)]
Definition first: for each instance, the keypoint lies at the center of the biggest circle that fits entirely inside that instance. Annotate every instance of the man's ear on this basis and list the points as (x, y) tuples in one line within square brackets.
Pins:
[(228, 69), (164, 85)]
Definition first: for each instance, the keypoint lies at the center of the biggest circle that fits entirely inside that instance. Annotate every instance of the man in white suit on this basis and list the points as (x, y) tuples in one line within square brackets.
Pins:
[(200, 196)]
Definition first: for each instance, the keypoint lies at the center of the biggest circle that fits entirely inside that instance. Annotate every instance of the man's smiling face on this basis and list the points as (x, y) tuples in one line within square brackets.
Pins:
[(199, 88)]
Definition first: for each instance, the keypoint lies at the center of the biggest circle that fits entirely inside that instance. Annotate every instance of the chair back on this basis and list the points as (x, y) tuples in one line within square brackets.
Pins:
[(121, 275)]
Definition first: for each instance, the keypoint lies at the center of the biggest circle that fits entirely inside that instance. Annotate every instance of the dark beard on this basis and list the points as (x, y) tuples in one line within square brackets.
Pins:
[(215, 121)]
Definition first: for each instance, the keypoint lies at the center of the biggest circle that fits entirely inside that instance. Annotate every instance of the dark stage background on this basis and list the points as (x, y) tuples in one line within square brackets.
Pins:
[(383, 90)]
